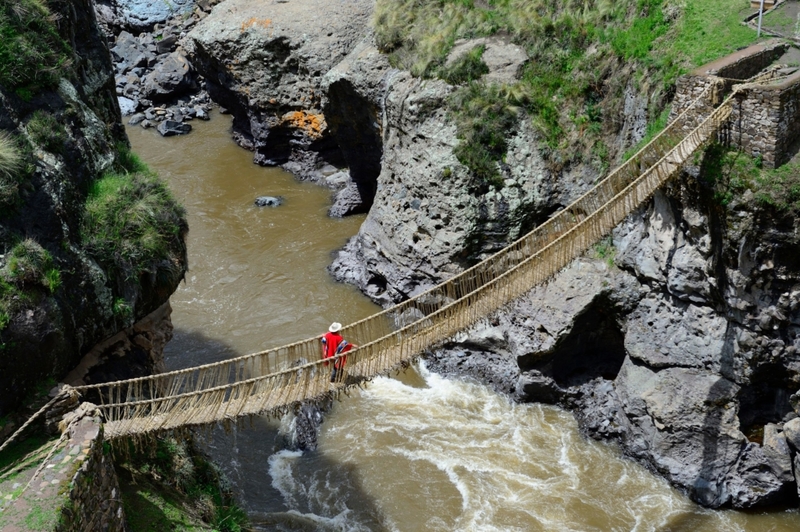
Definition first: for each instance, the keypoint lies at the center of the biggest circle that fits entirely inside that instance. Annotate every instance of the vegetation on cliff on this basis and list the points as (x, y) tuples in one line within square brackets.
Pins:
[(132, 223), (736, 176), (32, 53), (170, 485), (583, 58)]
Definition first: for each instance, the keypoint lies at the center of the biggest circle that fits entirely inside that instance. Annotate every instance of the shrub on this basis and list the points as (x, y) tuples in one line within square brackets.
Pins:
[(131, 223), (484, 114), (32, 53)]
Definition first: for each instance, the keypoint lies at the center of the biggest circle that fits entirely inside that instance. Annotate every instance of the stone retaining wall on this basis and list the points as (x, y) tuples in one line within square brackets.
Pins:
[(766, 118), (766, 121), (94, 501)]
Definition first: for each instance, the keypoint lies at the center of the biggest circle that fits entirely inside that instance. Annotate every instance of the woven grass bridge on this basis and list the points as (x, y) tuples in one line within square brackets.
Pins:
[(273, 380)]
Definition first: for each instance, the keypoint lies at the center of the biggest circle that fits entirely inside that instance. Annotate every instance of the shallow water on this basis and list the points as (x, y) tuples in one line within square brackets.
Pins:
[(417, 452)]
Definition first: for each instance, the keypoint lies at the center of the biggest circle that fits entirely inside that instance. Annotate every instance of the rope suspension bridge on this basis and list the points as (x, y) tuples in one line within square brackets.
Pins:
[(271, 381)]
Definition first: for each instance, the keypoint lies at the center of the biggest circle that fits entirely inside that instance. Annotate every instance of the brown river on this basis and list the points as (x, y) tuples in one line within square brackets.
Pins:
[(413, 453)]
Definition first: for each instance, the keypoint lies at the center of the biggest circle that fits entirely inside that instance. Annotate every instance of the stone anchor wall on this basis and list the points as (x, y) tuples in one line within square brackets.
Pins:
[(765, 121), (94, 499), (766, 118)]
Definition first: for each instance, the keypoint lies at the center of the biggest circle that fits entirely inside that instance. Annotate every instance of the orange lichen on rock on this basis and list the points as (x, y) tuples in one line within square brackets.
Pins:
[(253, 21), (312, 124)]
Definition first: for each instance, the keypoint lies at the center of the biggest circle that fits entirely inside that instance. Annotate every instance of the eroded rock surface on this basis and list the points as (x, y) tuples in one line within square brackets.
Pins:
[(264, 62), (681, 352)]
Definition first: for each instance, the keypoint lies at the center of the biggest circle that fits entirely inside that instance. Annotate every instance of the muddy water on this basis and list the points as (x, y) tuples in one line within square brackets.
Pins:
[(256, 275), (413, 453)]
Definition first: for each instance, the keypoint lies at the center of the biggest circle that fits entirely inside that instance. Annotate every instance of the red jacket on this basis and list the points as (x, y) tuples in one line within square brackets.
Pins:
[(333, 344)]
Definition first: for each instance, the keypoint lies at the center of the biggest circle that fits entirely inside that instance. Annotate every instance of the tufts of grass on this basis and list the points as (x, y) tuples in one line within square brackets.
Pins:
[(575, 80), (46, 131), (131, 221), (469, 67), (10, 156), (29, 264), (33, 56)]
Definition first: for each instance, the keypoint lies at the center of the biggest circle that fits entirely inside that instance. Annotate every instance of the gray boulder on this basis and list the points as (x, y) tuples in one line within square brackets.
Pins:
[(170, 78), (170, 128), (684, 423), (127, 106), (791, 431), (128, 52), (760, 478), (348, 201), (269, 201), (142, 15)]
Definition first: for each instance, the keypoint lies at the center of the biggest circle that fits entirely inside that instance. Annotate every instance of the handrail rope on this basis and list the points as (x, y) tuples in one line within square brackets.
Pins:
[(472, 269), (25, 425), (719, 111)]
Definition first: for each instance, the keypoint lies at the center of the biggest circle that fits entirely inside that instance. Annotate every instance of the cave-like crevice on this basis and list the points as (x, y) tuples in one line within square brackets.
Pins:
[(593, 348), (355, 124), (764, 400)]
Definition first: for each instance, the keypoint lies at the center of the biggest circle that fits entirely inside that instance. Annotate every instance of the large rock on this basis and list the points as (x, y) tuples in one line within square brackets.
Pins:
[(683, 423), (503, 59), (265, 63), (129, 52), (170, 78), (761, 478), (142, 15), (431, 218)]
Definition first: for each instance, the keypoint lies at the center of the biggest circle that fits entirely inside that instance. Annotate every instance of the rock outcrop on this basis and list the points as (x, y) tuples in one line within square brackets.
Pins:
[(430, 218), (683, 350), (69, 134), (265, 63)]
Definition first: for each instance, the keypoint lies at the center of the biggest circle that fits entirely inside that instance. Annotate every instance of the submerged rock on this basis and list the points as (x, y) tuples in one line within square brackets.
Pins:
[(269, 201), (169, 128)]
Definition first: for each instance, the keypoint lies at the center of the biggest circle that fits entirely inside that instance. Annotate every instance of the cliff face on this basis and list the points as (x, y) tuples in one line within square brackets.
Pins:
[(58, 297), (679, 342)]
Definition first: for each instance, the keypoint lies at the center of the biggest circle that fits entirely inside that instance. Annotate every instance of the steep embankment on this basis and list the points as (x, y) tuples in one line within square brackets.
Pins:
[(91, 240)]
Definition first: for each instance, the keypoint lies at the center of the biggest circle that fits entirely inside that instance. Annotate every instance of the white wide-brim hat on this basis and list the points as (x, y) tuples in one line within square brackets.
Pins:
[(335, 327)]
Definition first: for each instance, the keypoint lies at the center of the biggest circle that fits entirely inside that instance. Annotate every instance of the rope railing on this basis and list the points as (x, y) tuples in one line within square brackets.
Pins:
[(273, 379)]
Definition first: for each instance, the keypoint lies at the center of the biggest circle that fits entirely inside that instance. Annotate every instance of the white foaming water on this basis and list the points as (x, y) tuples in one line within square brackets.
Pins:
[(428, 453)]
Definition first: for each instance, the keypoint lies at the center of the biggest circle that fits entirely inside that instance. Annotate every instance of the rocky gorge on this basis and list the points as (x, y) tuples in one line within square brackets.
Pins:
[(676, 337), (679, 342)]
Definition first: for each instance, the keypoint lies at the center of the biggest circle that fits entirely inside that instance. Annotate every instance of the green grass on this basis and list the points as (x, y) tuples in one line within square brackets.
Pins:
[(732, 173), (40, 518), (583, 54), (33, 56), (605, 250), (46, 131), (132, 222)]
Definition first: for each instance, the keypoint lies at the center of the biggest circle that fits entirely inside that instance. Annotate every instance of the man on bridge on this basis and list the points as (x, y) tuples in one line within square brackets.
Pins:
[(333, 344)]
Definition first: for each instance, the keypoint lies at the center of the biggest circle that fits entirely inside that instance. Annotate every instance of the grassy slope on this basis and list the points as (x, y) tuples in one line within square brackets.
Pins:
[(583, 55)]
